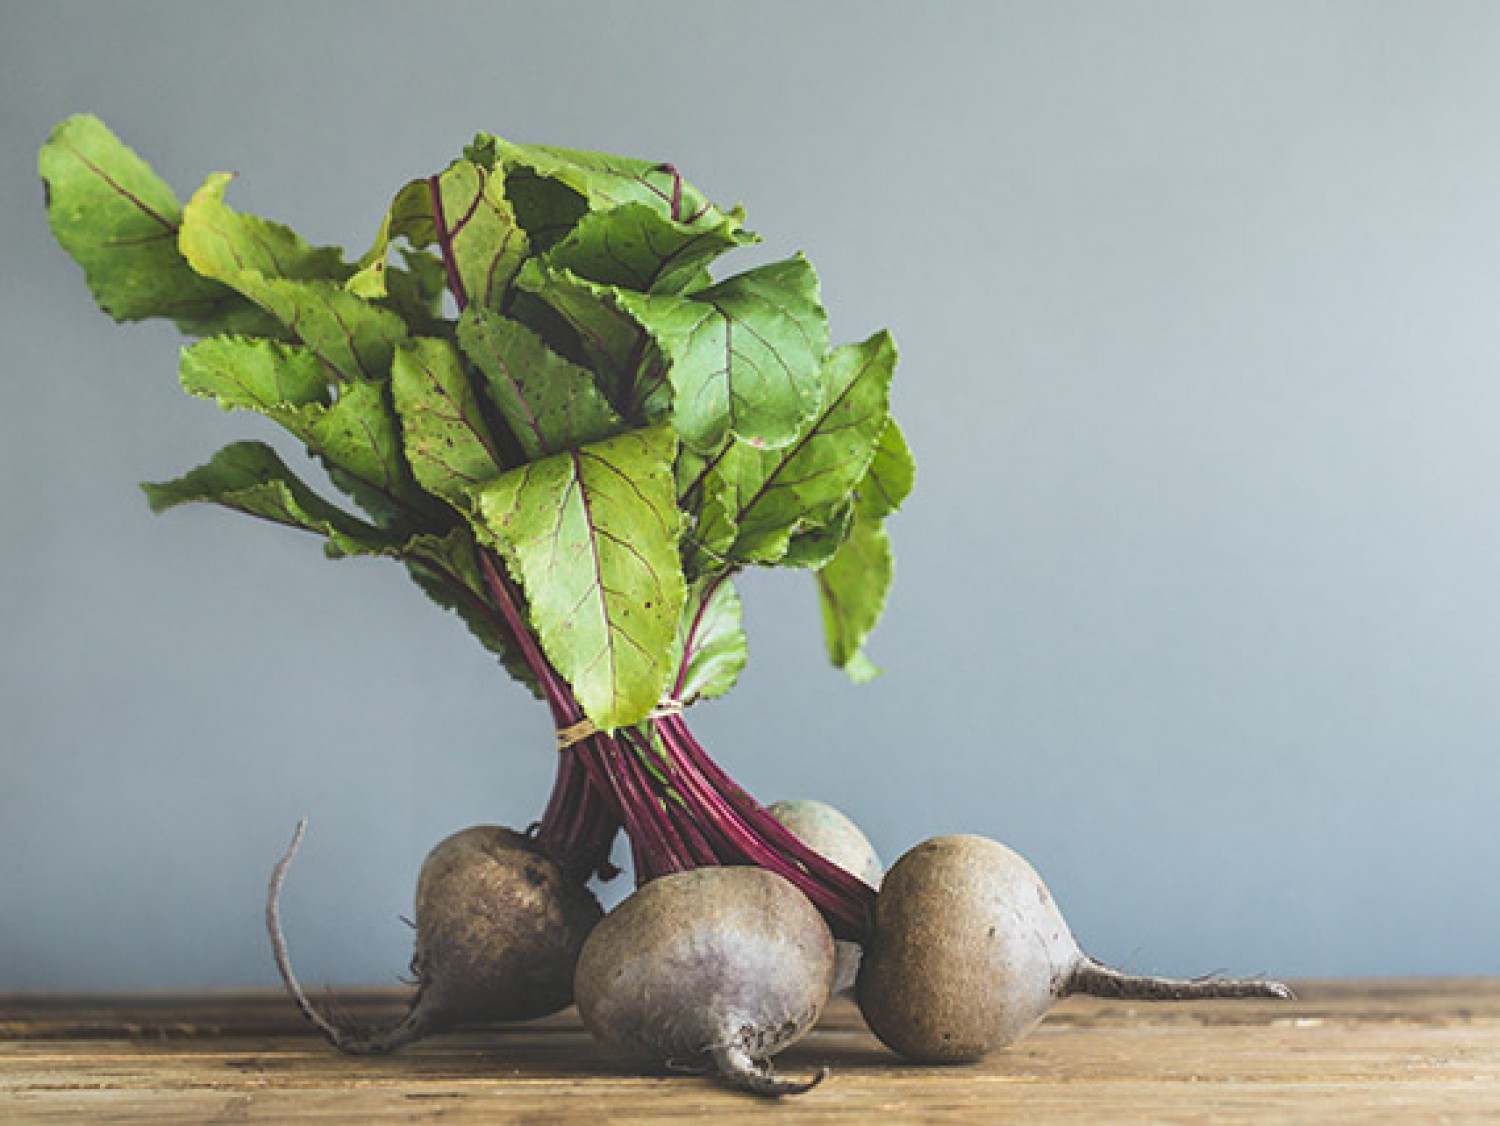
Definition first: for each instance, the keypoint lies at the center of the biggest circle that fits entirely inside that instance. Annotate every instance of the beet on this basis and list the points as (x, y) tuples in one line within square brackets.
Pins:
[(713, 968), (969, 951), (499, 929), (832, 835)]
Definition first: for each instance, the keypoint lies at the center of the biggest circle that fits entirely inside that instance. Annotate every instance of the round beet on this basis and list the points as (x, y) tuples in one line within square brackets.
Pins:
[(831, 834), (715, 967), (499, 929), (969, 951)]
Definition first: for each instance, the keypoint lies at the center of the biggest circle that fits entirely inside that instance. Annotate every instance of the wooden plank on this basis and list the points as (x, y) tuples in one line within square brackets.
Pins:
[(1375, 1051)]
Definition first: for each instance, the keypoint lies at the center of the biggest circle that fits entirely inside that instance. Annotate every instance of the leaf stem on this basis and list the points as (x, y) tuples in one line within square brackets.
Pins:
[(445, 242)]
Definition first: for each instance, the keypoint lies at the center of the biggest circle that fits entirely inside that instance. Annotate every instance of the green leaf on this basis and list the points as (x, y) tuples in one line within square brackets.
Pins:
[(891, 477), (448, 445), (818, 537), (355, 433), (707, 504), (245, 373), (250, 477), (778, 493), (223, 243), (852, 590), (119, 221), (479, 225), (711, 633), (591, 535), (549, 404), (635, 247), (745, 354), (300, 285), (604, 181), (546, 209), (414, 292), (486, 240), (409, 216), (611, 339)]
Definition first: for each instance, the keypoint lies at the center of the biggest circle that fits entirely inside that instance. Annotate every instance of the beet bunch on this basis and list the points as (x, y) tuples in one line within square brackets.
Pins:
[(541, 392)]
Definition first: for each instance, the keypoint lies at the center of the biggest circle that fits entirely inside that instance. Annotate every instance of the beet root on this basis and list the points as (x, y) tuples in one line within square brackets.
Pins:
[(969, 952), (832, 835), (714, 968), (499, 929)]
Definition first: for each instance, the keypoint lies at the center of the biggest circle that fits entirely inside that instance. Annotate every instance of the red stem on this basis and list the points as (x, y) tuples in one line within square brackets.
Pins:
[(445, 242), (752, 833)]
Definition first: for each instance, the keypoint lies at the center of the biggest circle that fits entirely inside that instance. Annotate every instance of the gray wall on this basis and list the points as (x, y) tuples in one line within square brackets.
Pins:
[(1199, 598)]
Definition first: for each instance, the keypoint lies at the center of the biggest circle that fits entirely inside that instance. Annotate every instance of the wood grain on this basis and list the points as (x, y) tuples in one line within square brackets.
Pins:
[(1369, 1051)]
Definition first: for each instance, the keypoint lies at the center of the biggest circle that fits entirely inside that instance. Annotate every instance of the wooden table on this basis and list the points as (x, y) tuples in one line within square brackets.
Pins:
[(1346, 1052)]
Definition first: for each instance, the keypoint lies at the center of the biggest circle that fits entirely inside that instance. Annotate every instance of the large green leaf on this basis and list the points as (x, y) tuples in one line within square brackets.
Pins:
[(635, 247), (250, 477), (355, 433), (302, 286), (852, 590), (745, 354), (712, 636), (549, 403), (119, 221), (448, 444), (777, 494), (591, 535)]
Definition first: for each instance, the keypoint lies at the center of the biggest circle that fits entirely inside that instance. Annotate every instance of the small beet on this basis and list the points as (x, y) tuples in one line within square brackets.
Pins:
[(711, 968), (499, 929), (969, 952), (832, 835)]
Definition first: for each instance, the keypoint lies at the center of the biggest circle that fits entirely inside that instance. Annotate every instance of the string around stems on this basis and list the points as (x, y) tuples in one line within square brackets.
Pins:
[(575, 733)]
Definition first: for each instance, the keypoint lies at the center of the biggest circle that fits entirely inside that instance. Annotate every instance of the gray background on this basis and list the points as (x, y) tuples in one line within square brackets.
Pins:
[(1199, 596)]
